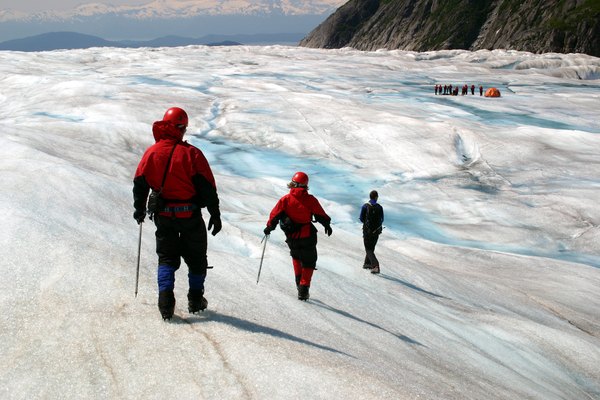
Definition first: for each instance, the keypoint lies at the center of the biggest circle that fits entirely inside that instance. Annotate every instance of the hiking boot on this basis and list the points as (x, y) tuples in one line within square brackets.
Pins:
[(303, 292), (196, 301), (375, 269), (166, 304)]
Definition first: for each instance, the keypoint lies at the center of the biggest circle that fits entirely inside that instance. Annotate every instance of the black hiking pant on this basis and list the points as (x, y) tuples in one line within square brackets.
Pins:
[(370, 241), (185, 238), (305, 250)]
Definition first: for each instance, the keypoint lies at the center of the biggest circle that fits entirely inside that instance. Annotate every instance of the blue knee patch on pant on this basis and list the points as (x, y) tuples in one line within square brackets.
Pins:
[(166, 277), (196, 281)]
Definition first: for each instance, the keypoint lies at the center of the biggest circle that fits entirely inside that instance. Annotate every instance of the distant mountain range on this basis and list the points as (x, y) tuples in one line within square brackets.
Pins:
[(538, 26), (185, 18), (73, 40)]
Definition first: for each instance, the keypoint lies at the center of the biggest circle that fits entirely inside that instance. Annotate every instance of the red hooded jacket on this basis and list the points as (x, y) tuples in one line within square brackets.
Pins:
[(300, 207), (189, 179)]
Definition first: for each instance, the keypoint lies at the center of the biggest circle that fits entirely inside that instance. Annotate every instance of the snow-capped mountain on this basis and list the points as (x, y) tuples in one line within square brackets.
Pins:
[(194, 18), (182, 9)]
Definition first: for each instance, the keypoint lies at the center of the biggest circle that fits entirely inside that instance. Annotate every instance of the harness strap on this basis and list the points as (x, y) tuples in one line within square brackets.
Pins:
[(166, 170), (177, 209)]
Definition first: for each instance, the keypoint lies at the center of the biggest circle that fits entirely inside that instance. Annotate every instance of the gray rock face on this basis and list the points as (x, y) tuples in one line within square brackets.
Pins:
[(538, 26)]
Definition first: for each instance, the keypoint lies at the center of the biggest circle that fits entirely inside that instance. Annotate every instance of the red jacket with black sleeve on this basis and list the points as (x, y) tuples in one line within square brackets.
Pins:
[(189, 180), (300, 207)]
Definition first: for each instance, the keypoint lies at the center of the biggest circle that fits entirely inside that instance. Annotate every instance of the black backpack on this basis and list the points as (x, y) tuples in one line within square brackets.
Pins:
[(372, 223), (288, 226)]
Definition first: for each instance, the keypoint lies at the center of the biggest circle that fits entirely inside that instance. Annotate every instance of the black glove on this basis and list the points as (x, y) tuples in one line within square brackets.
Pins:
[(268, 230), (139, 216), (328, 230), (214, 223)]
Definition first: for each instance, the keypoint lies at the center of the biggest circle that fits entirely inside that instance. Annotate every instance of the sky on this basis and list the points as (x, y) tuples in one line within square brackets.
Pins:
[(490, 256)]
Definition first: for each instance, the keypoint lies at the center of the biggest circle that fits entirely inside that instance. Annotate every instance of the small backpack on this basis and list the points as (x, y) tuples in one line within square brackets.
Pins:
[(372, 223), (288, 226)]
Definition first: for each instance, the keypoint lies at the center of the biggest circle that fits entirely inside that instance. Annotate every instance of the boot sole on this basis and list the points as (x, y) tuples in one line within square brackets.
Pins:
[(201, 309), (167, 316)]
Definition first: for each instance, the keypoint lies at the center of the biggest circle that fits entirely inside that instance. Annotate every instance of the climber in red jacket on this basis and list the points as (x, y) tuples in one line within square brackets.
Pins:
[(294, 212), (182, 183)]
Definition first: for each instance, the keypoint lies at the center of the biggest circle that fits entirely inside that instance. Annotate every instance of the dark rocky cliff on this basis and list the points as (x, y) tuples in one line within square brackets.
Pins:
[(539, 26)]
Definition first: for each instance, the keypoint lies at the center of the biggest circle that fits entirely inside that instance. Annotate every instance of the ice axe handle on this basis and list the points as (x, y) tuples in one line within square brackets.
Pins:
[(262, 257)]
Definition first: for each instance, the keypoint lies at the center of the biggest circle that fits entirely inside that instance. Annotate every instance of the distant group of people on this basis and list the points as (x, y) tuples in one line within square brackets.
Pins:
[(453, 90), (174, 181)]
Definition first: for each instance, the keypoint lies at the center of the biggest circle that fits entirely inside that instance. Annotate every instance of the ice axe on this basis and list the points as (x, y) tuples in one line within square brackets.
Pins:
[(137, 274), (262, 257)]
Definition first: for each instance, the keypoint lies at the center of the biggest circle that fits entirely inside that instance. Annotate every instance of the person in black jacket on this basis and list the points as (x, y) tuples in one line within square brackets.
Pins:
[(371, 215)]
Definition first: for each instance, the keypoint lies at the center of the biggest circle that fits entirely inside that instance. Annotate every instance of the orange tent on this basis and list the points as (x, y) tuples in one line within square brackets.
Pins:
[(492, 92)]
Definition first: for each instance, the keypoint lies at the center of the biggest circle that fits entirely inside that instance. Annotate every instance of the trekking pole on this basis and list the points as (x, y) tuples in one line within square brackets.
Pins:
[(265, 238), (137, 274)]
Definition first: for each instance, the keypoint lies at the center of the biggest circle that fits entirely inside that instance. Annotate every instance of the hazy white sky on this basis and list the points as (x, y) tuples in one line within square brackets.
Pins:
[(36, 5)]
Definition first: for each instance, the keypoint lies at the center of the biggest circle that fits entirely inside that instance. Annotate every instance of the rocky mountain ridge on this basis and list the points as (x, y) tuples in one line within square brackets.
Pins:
[(538, 26)]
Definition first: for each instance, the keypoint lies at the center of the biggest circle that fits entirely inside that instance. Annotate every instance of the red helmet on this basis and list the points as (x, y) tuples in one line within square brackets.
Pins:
[(177, 116), (300, 179)]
